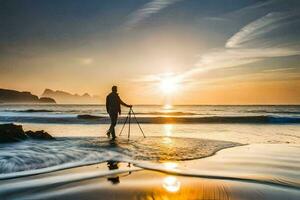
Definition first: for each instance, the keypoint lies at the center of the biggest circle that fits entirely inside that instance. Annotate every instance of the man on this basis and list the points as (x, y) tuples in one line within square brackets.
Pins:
[(113, 108)]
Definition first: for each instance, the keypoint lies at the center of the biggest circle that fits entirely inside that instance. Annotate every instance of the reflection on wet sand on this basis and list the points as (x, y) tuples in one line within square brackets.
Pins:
[(113, 165), (170, 165), (171, 184), (181, 188)]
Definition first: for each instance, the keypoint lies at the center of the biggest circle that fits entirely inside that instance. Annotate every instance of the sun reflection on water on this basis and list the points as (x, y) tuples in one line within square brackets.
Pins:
[(168, 129), (171, 184), (167, 140), (167, 107)]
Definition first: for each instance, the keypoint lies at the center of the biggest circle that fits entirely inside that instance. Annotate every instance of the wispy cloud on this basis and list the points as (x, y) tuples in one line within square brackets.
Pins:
[(147, 11), (86, 61), (253, 42), (250, 44), (278, 70), (257, 28)]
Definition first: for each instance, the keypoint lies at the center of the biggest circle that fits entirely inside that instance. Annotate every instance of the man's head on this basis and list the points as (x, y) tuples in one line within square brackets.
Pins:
[(114, 88)]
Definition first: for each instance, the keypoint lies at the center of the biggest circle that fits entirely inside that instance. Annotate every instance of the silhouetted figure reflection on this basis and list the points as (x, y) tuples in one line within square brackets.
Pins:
[(113, 108), (112, 165)]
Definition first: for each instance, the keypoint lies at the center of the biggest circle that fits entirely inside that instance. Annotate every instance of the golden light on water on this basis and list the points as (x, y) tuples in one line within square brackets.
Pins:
[(167, 140), (171, 184), (168, 129), (167, 106)]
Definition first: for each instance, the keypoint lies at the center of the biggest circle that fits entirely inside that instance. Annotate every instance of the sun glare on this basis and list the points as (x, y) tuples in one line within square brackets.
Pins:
[(168, 85)]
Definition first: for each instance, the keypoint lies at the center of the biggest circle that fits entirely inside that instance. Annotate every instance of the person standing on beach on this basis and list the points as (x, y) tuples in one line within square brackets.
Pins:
[(113, 108)]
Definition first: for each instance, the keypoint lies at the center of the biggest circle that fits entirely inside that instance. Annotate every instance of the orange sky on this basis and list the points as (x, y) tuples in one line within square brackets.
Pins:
[(244, 53)]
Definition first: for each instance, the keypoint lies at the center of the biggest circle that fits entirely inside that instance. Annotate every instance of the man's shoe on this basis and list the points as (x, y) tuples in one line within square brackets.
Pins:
[(108, 134)]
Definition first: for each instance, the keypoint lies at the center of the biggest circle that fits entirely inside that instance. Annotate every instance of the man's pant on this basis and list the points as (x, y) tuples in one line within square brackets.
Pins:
[(113, 122)]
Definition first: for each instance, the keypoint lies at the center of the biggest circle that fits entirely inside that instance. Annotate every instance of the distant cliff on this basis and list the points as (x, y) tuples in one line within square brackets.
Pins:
[(13, 96), (65, 97)]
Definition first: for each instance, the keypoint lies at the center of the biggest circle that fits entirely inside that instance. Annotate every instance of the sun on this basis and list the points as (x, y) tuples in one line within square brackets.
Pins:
[(168, 85)]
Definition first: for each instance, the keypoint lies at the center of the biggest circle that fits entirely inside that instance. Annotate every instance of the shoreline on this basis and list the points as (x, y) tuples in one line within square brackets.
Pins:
[(94, 180), (210, 148)]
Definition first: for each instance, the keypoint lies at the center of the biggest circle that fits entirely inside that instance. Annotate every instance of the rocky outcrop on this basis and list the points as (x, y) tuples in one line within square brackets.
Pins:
[(47, 100), (15, 133), (40, 135), (13, 96), (11, 133), (65, 97)]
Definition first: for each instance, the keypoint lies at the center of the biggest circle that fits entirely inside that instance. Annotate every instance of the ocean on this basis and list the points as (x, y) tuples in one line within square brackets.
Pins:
[(177, 134)]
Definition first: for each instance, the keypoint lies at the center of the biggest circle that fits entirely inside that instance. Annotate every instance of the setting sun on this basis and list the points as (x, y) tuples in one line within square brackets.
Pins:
[(168, 85)]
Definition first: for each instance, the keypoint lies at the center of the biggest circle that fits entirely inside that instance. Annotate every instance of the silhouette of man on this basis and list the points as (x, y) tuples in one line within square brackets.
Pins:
[(113, 108)]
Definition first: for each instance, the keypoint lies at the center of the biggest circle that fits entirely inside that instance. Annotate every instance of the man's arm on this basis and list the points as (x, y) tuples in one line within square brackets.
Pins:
[(123, 103)]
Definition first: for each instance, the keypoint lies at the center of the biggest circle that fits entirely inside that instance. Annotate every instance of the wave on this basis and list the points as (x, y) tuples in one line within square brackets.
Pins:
[(31, 111), (45, 156), (36, 110), (171, 113), (272, 112), (94, 119), (167, 113), (242, 167)]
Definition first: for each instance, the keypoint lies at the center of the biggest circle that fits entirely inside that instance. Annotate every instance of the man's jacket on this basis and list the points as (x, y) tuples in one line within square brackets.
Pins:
[(113, 103)]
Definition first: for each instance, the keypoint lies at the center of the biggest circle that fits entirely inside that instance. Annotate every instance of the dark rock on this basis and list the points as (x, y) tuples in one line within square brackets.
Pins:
[(13, 96), (11, 133), (40, 135), (47, 100), (15, 133)]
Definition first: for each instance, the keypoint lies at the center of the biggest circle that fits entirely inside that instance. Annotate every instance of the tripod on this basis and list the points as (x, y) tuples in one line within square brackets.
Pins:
[(128, 118)]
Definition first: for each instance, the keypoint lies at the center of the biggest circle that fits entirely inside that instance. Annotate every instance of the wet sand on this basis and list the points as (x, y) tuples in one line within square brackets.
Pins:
[(254, 171)]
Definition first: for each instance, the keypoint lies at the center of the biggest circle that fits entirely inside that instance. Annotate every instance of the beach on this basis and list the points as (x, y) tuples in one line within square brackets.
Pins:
[(150, 100), (237, 173), (202, 160)]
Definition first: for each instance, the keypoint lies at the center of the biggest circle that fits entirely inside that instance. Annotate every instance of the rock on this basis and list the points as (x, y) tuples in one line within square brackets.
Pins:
[(47, 100), (40, 135), (11, 133), (13, 96), (15, 133), (66, 97)]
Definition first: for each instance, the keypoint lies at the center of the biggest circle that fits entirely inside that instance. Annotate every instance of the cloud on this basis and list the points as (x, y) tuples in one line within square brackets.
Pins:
[(258, 28), (86, 61), (250, 44), (147, 11), (220, 19), (264, 37), (278, 70)]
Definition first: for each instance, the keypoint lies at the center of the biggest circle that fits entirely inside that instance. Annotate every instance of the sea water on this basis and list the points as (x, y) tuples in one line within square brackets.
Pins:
[(194, 132)]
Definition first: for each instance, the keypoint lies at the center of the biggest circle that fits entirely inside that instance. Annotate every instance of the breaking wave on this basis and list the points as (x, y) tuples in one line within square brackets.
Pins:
[(70, 152), (97, 119)]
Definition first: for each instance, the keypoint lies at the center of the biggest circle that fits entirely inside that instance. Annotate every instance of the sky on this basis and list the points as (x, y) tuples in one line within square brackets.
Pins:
[(155, 51)]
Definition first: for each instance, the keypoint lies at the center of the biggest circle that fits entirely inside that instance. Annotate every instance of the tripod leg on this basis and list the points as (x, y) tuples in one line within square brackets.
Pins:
[(129, 124), (124, 125), (138, 123)]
